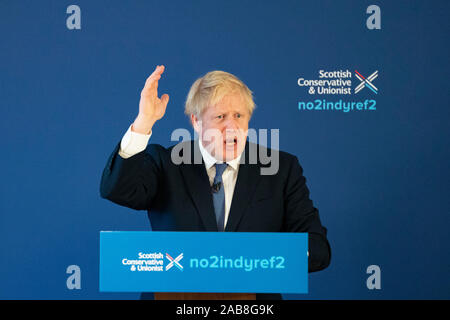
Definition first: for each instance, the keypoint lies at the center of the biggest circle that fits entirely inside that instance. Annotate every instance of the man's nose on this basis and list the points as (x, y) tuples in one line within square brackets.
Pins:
[(231, 124)]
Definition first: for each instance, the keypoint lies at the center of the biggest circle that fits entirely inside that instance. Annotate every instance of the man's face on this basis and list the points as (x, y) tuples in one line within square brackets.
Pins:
[(223, 127)]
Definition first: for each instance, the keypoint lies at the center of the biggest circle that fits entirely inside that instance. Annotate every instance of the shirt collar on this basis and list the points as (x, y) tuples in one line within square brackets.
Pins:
[(210, 160)]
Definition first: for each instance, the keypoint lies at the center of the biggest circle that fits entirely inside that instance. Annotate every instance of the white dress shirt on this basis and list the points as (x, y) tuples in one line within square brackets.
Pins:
[(133, 143)]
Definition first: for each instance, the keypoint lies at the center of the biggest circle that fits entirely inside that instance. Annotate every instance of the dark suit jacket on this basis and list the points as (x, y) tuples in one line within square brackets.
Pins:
[(178, 197)]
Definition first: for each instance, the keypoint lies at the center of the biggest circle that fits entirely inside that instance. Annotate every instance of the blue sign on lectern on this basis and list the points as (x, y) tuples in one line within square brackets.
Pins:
[(157, 261)]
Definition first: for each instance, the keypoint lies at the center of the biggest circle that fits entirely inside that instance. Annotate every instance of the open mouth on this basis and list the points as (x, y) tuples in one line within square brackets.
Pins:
[(230, 142)]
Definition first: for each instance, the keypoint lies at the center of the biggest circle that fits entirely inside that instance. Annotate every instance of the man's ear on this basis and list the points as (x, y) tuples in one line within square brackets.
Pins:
[(196, 123)]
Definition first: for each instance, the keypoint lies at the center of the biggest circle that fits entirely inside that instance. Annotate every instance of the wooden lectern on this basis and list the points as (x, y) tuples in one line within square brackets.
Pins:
[(203, 296)]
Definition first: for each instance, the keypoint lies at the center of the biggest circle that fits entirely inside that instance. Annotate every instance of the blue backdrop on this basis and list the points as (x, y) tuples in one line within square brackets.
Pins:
[(380, 179)]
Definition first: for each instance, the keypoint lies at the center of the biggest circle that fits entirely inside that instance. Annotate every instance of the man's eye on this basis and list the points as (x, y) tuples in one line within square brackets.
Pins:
[(238, 115), (219, 116)]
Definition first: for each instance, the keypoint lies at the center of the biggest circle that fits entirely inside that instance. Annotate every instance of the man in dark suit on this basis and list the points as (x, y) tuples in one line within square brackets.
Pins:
[(216, 183)]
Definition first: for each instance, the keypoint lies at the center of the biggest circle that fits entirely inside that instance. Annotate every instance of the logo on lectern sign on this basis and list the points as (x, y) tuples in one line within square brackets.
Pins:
[(153, 262), (162, 261), (174, 262)]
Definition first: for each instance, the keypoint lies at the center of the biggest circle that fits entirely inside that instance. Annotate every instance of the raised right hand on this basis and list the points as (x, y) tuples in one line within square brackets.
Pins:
[(151, 108)]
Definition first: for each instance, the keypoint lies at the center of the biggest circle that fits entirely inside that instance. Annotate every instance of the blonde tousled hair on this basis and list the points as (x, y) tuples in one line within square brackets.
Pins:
[(211, 88)]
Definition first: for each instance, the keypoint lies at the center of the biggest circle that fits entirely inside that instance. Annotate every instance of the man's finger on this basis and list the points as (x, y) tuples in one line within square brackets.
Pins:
[(154, 84), (151, 86), (152, 81), (158, 71), (165, 99)]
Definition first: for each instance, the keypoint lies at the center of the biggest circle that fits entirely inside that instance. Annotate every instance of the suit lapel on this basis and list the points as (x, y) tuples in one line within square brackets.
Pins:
[(197, 183), (246, 183)]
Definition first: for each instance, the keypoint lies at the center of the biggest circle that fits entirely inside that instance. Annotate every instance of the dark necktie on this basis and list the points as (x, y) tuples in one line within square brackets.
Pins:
[(218, 194)]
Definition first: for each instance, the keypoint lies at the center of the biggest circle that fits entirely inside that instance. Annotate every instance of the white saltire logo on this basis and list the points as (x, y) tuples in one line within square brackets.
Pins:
[(174, 262), (366, 82)]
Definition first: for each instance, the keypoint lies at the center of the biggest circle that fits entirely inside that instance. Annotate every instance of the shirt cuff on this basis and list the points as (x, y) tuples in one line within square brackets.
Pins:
[(132, 143)]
